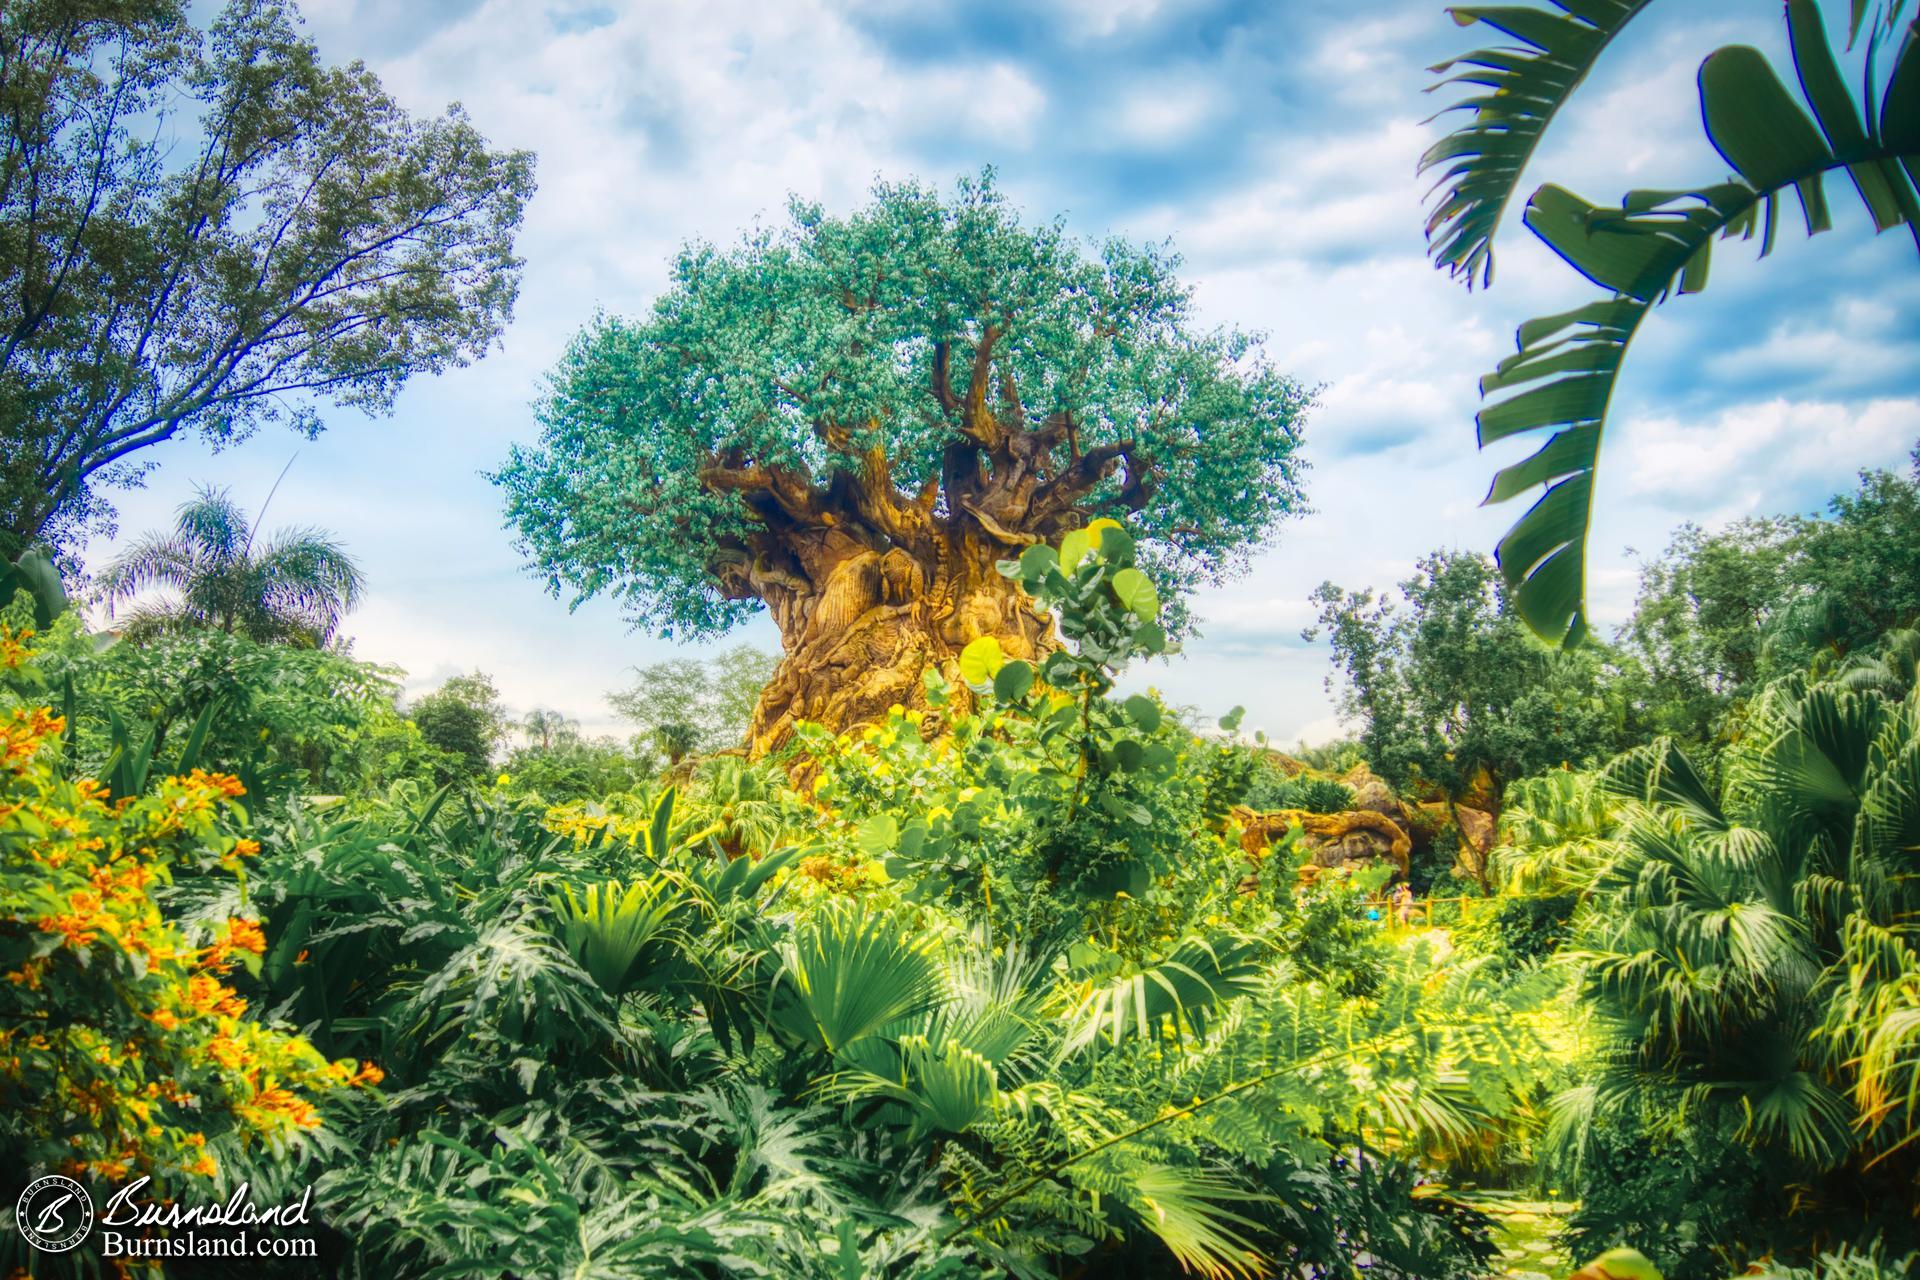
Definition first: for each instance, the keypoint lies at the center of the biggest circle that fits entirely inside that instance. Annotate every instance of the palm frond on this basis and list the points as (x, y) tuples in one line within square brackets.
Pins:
[(1658, 243), (214, 525), (848, 973), (618, 932), (1196, 1213), (1177, 995), (151, 560), (1514, 92)]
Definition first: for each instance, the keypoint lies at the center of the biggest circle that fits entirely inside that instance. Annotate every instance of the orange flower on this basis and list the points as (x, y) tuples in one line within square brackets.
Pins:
[(227, 1052), (245, 935), (274, 1102), (23, 736), (224, 783), (208, 995), (74, 928), (366, 1074), (13, 647)]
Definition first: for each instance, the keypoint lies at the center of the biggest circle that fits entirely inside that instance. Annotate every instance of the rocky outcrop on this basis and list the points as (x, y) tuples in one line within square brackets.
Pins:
[(1371, 793), (1330, 839), (1477, 828)]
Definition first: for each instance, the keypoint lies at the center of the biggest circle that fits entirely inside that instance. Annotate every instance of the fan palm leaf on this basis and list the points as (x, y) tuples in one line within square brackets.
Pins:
[(847, 973)]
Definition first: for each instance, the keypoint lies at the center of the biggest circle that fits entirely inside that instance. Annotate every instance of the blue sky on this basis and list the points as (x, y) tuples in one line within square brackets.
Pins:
[(1273, 144)]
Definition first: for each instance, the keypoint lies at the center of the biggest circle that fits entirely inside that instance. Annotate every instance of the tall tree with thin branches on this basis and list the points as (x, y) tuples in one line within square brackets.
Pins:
[(208, 230)]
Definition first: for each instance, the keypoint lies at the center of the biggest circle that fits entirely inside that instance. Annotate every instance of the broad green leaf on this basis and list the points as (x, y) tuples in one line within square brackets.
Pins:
[(981, 660), (1231, 721), (1074, 548), (1838, 116), (1037, 559), (877, 835), (1143, 711), (1616, 256), (34, 573), (1754, 122), (1136, 592), (1151, 637), (1013, 681), (1900, 108)]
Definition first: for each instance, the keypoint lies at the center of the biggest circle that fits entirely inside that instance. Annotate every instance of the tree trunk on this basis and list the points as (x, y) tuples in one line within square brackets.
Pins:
[(860, 627)]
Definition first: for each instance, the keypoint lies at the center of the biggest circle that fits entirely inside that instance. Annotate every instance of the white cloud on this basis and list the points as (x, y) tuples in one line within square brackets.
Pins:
[(1164, 111), (1759, 457), (1102, 18), (1858, 344), (996, 101)]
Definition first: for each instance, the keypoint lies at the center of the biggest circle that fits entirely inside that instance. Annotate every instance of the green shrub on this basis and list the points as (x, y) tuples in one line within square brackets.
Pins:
[(1695, 1202), (1516, 928), (1269, 787)]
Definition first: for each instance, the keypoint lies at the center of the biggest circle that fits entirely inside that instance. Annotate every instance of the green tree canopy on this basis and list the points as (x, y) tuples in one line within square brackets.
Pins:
[(684, 705), (1720, 613), (464, 718), (923, 375), (1451, 683), (206, 230), (1697, 637)]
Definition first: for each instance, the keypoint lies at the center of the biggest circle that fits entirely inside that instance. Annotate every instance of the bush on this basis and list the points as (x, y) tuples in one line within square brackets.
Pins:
[(1274, 790), (285, 717), (1520, 929), (1694, 1202), (125, 1048)]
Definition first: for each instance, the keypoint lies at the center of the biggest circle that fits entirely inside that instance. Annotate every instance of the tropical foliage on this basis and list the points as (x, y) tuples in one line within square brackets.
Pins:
[(1655, 244), (125, 1047), (294, 589)]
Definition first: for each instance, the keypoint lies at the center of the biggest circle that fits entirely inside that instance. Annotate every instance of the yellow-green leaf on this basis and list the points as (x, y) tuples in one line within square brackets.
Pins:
[(981, 660), (1135, 590), (1074, 548)]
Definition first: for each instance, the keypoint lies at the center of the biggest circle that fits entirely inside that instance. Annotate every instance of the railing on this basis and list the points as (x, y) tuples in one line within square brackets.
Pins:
[(1420, 909)]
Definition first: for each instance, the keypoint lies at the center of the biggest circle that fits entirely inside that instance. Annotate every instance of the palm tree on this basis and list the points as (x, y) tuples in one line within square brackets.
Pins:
[(545, 727), (745, 801), (292, 590)]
